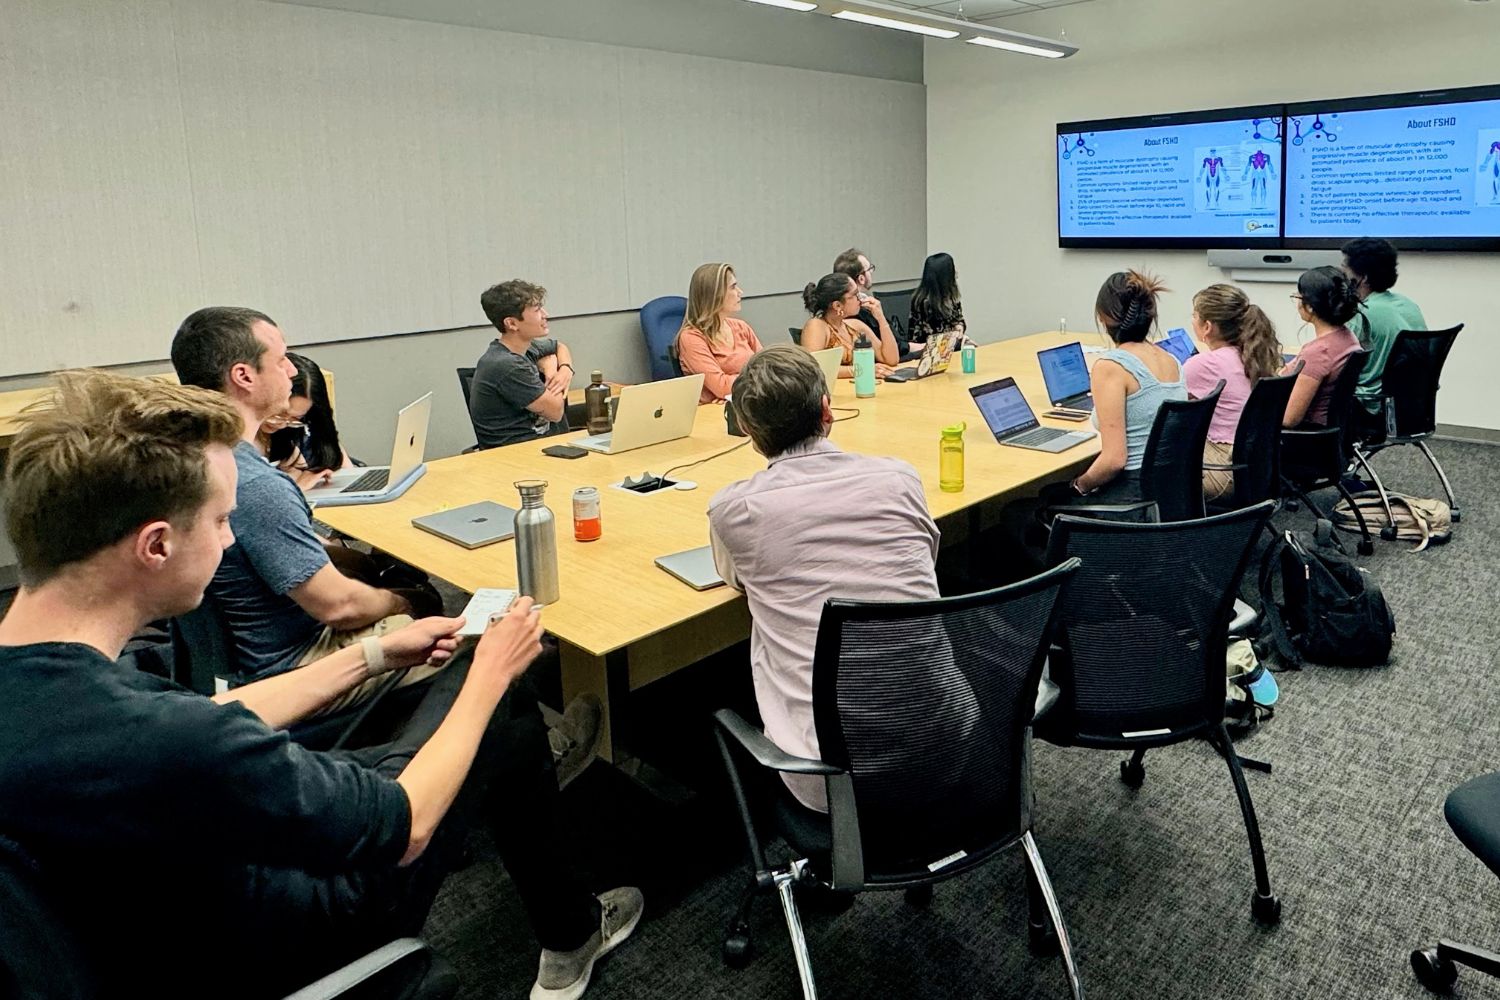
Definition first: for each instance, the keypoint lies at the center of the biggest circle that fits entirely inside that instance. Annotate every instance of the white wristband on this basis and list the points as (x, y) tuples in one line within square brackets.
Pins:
[(374, 654)]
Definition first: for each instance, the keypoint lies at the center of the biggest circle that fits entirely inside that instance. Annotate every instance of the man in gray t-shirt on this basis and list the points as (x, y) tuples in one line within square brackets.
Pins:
[(520, 389)]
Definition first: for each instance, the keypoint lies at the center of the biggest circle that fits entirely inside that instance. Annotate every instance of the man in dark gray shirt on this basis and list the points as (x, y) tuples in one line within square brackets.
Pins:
[(520, 389)]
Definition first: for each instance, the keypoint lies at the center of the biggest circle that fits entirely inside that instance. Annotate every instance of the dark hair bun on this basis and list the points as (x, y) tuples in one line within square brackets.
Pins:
[(810, 296), (1329, 294)]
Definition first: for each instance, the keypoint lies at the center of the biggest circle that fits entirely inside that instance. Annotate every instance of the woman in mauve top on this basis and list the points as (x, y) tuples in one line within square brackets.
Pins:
[(712, 342), (1241, 350), (1327, 299)]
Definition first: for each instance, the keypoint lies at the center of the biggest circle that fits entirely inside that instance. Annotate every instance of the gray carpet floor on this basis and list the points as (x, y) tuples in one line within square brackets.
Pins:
[(1155, 884)]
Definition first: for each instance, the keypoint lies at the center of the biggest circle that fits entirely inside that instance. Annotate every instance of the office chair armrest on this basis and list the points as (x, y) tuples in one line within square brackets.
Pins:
[(766, 753), (1231, 467), (1143, 510), (361, 970), (1308, 434)]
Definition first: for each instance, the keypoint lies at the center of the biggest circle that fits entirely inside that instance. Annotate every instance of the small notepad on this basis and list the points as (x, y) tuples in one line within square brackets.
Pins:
[(485, 602)]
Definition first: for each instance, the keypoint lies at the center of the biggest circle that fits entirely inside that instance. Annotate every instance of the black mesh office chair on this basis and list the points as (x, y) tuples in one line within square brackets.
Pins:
[(1255, 460), (1141, 636), (1316, 458), (42, 959), (922, 712), (1473, 811), (1409, 387), (796, 332), (466, 384), (1172, 467)]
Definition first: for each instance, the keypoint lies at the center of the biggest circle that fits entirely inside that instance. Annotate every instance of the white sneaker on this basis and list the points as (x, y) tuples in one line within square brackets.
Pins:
[(564, 975)]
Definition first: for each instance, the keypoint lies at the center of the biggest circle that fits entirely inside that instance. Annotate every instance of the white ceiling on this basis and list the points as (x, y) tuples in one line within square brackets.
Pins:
[(984, 10)]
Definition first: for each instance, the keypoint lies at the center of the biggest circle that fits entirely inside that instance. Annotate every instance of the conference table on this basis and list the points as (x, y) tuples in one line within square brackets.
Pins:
[(621, 622)]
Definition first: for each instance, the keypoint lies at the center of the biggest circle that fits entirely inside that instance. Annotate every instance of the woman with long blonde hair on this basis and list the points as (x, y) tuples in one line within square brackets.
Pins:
[(1241, 350), (713, 341)]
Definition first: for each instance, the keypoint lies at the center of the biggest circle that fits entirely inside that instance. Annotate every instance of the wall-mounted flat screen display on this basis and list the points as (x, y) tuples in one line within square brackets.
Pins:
[(1421, 169), (1201, 179)]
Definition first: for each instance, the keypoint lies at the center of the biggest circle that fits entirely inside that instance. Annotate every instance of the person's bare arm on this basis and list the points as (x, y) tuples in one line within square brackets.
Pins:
[(1304, 390), (557, 369), (1110, 385), (341, 603), (432, 779), (288, 698)]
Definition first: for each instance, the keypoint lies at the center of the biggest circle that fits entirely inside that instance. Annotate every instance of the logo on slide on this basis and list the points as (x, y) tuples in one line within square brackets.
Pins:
[(1254, 225)]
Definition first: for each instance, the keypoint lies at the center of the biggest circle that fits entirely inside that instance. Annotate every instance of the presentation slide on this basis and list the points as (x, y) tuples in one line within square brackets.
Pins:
[(1419, 171), (1201, 180)]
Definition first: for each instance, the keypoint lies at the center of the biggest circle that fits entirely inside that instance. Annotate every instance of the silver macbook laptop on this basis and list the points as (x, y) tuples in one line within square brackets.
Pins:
[(695, 567), (649, 414), (1066, 374), (372, 484), (473, 525), (829, 359), (1011, 420)]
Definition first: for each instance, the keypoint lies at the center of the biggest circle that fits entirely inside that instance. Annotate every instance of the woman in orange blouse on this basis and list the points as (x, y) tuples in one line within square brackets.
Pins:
[(712, 342)]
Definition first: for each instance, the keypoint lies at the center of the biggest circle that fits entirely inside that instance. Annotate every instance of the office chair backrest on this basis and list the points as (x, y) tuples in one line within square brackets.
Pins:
[(897, 306), (202, 648), (796, 332), (1172, 469), (39, 955), (1411, 377), (1145, 622), (927, 705), (661, 320), (1257, 440), (466, 385)]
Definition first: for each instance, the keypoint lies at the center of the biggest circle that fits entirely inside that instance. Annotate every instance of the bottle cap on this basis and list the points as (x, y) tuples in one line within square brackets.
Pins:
[(954, 430), (597, 377), (863, 342)]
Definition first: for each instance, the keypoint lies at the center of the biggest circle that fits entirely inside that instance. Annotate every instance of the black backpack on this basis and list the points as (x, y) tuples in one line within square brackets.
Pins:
[(1330, 611)]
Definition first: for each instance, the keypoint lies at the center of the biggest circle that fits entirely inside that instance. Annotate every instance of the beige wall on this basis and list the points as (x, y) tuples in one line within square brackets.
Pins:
[(991, 174)]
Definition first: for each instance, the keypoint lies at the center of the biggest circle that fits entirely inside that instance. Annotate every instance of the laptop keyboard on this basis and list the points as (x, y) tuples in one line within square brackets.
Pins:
[(375, 479), (1039, 436)]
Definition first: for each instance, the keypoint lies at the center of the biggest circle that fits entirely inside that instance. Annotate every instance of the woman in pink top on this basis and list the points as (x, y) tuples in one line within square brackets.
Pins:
[(1327, 299), (1242, 349), (712, 342)]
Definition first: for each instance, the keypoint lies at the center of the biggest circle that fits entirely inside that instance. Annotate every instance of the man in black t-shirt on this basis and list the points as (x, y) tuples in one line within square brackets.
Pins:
[(195, 849), (520, 388)]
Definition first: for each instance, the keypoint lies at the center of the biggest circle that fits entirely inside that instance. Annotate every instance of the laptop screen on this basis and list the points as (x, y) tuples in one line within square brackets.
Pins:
[(1179, 344), (1064, 371), (1004, 408)]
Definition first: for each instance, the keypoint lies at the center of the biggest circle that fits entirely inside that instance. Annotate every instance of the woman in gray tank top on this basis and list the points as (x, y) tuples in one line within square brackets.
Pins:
[(1129, 382)]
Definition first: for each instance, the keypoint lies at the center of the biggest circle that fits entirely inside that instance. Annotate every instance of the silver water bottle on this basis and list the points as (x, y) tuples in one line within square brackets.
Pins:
[(536, 543)]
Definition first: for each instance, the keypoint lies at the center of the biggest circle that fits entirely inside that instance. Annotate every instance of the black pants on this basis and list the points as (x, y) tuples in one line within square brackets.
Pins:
[(313, 924)]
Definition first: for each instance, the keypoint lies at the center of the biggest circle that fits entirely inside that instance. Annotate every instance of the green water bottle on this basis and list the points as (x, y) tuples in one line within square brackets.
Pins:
[(951, 458)]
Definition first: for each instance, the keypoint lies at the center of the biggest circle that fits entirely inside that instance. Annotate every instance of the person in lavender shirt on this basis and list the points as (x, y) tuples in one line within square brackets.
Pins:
[(787, 538), (1242, 349)]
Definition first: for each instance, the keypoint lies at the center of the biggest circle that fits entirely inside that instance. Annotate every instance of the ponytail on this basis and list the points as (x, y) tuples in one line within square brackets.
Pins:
[(1242, 325), (1329, 294)]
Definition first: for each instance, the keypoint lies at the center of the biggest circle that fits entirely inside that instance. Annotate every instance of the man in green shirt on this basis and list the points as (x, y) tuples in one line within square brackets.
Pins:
[(1372, 265)]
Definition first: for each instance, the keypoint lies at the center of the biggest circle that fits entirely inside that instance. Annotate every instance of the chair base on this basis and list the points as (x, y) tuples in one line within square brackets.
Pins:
[(1436, 968)]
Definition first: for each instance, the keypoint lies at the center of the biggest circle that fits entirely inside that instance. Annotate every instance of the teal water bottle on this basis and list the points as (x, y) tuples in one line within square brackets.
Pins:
[(864, 368)]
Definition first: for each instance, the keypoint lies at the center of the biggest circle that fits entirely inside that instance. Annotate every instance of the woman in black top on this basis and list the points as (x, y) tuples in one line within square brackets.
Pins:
[(935, 306)]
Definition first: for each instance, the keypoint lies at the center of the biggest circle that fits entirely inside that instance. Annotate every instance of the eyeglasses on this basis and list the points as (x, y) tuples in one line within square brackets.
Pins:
[(869, 270), (283, 422), (1296, 296)]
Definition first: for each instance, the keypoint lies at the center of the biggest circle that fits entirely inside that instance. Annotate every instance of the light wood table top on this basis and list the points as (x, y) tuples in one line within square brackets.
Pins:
[(612, 593)]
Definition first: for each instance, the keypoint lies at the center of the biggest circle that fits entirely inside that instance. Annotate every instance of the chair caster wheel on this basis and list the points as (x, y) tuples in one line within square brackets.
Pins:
[(1041, 940), (1453, 515), (1388, 532), (1265, 909), (1134, 775), (1365, 548), (1433, 970), (919, 896), (738, 948)]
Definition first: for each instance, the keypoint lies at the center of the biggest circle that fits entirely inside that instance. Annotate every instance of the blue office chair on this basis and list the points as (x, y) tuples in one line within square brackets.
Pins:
[(660, 320)]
